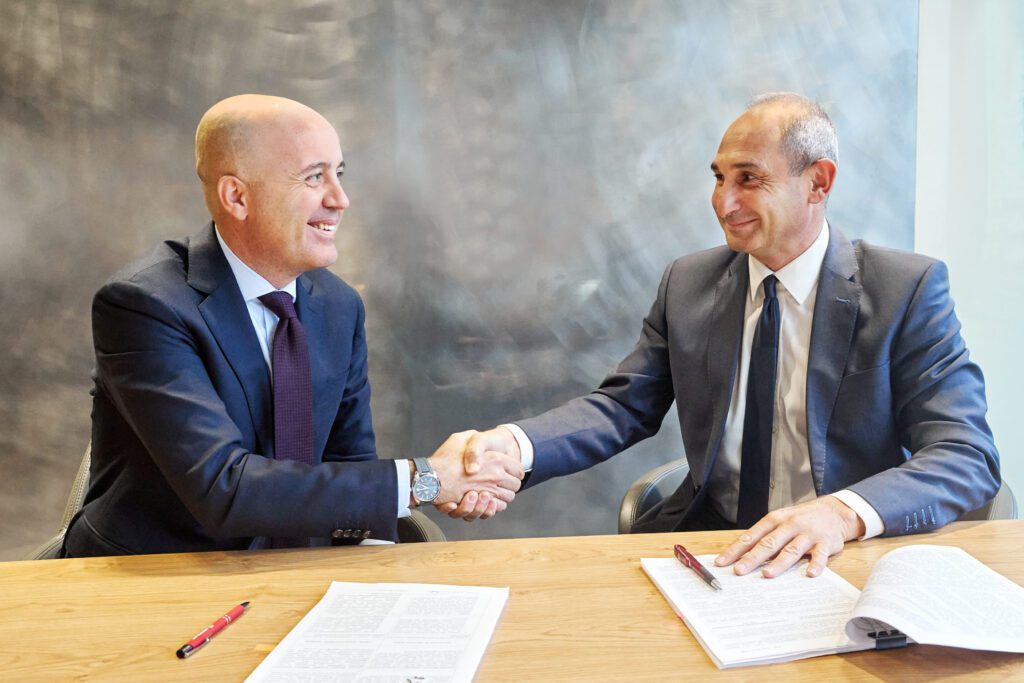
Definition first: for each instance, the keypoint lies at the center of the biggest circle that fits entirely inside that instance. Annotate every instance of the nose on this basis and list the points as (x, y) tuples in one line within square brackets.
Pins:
[(335, 198), (723, 200)]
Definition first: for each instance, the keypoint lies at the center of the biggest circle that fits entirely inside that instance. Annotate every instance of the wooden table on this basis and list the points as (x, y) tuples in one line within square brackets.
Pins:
[(580, 609)]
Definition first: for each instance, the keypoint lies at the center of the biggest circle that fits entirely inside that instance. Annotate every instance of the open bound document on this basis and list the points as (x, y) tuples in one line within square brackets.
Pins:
[(935, 595), (383, 632)]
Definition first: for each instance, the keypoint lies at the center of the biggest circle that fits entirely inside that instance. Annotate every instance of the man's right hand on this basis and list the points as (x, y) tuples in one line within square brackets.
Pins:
[(478, 450), (477, 479)]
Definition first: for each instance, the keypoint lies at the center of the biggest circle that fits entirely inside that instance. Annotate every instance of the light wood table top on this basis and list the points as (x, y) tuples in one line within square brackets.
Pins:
[(580, 608)]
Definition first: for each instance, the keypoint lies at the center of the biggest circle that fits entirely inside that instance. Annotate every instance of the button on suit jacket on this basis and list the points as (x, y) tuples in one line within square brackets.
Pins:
[(183, 442), (895, 407)]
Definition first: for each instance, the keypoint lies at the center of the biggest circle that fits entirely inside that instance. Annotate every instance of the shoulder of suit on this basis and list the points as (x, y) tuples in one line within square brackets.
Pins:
[(701, 268), (160, 271), (327, 283), (713, 258), (892, 263)]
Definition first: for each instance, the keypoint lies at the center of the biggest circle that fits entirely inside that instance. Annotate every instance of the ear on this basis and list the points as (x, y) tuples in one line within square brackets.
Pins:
[(233, 194), (822, 175)]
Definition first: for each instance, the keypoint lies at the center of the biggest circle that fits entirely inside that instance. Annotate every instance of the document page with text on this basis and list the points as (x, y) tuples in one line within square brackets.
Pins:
[(754, 620), (932, 595), (388, 632), (940, 595)]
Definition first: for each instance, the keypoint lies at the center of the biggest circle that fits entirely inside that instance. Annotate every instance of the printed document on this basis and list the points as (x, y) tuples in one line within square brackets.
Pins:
[(934, 595), (383, 632)]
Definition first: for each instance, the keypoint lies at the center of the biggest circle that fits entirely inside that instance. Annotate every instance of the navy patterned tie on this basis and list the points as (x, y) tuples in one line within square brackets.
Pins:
[(293, 392), (756, 462)]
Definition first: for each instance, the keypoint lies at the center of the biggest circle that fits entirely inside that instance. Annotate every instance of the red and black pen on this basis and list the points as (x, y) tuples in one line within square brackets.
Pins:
[(688, 560), (203, 637)]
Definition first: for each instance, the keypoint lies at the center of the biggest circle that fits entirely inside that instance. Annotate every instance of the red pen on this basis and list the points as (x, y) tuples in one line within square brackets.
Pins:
[(688, 560), (203, 637)]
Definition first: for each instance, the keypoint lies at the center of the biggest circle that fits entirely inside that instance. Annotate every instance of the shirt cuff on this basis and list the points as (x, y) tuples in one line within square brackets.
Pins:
[(525, 445), (403, 470), (873, 525)]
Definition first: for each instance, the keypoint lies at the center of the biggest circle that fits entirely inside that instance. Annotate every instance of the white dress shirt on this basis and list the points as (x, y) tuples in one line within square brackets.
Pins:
[(264, 321), (791, 480)]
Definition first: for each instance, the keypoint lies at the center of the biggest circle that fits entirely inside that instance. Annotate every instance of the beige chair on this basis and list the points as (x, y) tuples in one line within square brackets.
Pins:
[(659, 483), (50, 549), (415, 528)]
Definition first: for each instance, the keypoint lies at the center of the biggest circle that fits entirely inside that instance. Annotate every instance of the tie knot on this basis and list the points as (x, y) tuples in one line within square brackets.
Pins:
[(280, 303), (769, 286)]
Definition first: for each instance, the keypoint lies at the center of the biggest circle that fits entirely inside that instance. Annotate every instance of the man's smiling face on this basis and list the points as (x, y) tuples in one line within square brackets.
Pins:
[(764, 209), (297, 199)]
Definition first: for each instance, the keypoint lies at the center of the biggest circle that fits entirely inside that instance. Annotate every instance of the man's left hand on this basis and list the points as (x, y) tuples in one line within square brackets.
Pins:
[(819, 527)]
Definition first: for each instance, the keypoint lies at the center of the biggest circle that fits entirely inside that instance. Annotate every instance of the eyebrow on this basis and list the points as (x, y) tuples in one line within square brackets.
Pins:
[(742, 164), (321, 164)]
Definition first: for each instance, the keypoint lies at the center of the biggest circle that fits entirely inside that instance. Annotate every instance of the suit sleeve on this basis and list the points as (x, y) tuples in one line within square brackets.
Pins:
[(939, 403), (150, 365), (628, 407)]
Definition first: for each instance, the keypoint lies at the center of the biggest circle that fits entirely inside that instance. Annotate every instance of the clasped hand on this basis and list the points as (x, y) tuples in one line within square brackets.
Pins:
[(480, 473)]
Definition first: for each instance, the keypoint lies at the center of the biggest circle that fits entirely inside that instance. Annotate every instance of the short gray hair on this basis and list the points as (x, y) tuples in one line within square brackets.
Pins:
[(808, 136)]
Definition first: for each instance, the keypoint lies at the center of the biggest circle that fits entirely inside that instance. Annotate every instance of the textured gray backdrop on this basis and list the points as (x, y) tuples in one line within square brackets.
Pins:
[(520, 174)]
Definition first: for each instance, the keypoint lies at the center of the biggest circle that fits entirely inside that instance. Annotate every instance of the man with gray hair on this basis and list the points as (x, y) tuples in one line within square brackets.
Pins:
[(823, 391)]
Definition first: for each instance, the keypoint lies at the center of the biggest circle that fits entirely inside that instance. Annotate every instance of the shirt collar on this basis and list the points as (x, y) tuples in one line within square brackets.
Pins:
[(800, 276), (252, 284)]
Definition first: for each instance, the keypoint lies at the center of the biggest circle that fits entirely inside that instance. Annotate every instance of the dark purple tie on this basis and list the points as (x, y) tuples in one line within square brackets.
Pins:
[(293, 392), (756, 459), (293, 382)]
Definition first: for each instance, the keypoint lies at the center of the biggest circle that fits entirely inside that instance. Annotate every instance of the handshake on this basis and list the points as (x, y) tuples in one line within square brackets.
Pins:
[(480, 473)]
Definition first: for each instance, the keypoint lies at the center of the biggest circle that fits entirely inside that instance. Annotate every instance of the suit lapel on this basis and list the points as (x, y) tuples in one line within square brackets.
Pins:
[(835, 316), (228, 319), (723, 355)]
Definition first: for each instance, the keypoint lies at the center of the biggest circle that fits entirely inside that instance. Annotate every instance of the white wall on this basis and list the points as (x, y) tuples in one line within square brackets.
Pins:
[(970, 190)]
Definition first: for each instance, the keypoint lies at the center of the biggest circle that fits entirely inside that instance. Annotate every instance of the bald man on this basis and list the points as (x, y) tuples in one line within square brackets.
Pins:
[(231, 404), (823, 390)]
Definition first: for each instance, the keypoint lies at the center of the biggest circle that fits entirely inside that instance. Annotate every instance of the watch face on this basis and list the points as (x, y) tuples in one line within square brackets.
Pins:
[(426, 488)]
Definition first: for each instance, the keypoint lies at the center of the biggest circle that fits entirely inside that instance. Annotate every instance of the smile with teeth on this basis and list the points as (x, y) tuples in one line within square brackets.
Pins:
[(324, 227)]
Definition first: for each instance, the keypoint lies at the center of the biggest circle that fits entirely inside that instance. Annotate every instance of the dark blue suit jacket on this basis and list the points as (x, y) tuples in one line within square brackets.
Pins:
[(183, 443), (895, 407)]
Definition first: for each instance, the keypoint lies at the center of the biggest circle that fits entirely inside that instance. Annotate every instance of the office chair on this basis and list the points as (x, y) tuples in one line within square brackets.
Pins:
[(660, 482), (649, 490), (415, 528), (51, 548)]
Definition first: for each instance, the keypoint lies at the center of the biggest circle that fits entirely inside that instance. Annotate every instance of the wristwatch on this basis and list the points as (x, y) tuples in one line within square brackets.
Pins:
[(425, 484)]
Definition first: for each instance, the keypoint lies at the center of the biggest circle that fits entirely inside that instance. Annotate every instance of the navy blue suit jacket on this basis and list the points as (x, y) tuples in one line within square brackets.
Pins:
[(895, 407), (183, 443)]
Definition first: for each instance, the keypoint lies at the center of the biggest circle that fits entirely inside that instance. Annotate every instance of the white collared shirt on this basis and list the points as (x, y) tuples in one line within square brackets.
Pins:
[(253, 286), (264, 322), (791, 480)]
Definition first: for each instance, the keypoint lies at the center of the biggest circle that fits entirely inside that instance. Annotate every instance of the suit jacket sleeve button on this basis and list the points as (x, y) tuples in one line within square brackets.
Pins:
[(336, 533), (366, 534)]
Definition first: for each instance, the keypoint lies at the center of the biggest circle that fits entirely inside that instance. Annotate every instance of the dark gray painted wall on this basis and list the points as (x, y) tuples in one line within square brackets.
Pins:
[(520, 174)]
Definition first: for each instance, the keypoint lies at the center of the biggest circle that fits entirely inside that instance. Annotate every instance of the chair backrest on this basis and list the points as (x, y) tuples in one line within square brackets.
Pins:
[(415, 528), (656, 484), (649, 490), (1003, 506), (51, 548), (78, 489)]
